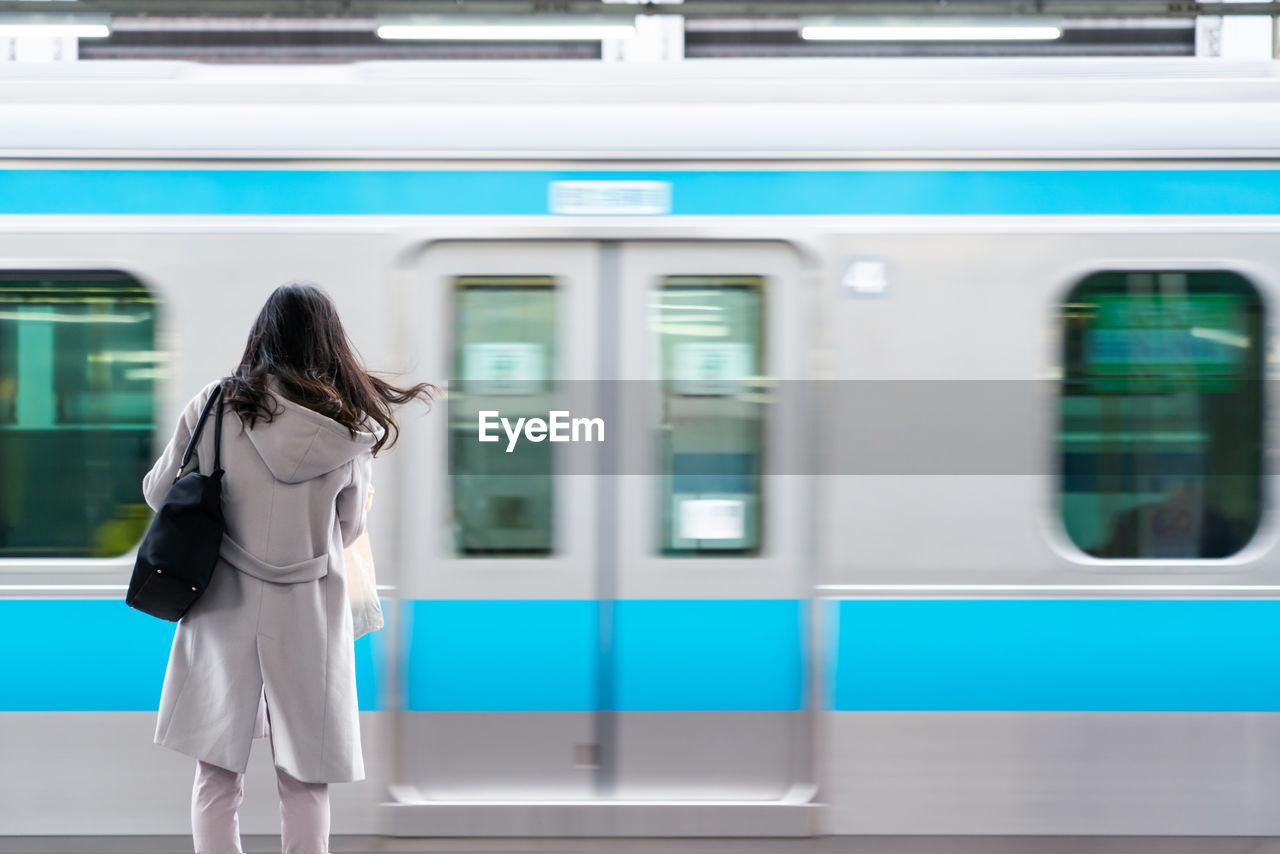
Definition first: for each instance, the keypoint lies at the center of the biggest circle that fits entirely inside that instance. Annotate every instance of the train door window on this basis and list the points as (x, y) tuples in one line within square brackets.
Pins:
[(78, 364), (709, 351), (1161, 414), (503, 361)]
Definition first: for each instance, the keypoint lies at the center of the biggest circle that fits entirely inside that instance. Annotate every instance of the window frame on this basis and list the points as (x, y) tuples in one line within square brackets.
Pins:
[(458, 283), (760, 287), (1265, 532), (62, 573)]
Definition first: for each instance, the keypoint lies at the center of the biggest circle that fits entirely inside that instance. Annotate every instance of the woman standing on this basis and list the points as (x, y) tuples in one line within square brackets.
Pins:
[(267, 650)]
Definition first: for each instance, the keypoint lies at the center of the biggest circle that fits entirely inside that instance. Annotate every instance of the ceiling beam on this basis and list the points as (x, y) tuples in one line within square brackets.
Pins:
[(363, 9)]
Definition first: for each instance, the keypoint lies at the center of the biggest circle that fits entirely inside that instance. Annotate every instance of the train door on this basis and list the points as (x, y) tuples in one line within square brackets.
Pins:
[(621, 626), (497, 582), (708, 596)]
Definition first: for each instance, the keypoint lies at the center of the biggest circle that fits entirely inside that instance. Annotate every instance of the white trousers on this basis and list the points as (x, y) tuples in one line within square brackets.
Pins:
[(216, 797)]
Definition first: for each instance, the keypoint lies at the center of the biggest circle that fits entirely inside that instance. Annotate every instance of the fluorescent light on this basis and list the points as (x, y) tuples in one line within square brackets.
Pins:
[(158, 373), (1221, 336), (491, 32), (678, 307), (134, 356), (830, 29), (704, 331), (80, 31), (924, 34), (54, 26), (58, 317), (534, 28)]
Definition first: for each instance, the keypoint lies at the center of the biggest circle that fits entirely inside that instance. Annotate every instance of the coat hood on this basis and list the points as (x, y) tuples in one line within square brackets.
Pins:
[(299, 444)]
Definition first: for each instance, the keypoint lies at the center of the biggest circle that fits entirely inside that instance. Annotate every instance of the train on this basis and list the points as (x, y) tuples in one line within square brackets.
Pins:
[(934, 493)]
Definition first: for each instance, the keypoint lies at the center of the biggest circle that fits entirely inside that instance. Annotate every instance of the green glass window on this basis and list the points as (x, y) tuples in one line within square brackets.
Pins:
[(504, 361), (709, 334), (1161, 414), (78, 364)]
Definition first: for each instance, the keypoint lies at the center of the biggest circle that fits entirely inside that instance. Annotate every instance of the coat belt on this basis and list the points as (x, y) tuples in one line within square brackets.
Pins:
[(306, 570)]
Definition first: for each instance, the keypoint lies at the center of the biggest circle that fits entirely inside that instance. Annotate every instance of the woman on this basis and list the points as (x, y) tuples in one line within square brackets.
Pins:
[(267, 649)]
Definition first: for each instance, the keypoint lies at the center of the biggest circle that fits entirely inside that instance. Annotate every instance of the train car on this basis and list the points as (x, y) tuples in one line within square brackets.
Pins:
[(935, 496)]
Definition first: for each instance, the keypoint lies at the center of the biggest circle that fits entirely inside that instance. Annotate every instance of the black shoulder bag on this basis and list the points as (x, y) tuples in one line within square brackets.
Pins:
[(178, 553)]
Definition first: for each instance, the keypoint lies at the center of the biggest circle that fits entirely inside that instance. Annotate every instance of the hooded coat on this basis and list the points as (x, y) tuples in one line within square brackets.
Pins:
[(273, 628)]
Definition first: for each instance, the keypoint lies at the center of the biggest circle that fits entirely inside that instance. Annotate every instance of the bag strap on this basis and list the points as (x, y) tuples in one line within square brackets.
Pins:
[(217, 437), (195, 435)]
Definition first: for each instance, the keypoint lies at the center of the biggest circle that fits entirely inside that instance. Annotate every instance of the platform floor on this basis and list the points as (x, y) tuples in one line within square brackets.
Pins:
[(816, 845)]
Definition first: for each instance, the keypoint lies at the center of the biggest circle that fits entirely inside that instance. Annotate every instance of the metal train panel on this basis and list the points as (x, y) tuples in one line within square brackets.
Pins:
[(967, 337), (884, 681), (709, 110)]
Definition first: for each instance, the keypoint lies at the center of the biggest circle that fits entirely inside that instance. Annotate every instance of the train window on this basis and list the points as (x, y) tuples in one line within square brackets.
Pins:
[(1161, 414), (709, 352), (78, 365), (503, 360)]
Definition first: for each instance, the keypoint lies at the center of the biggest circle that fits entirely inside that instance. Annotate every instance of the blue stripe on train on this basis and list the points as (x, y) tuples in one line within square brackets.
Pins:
[(99, 655), (495, 655), (709, 192), (670, 655), (911, 655), (1060, 655), (500, 655), (729, 655)]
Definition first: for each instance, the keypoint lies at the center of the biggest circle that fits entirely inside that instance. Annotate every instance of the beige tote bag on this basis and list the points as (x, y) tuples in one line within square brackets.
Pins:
[(362, 585)]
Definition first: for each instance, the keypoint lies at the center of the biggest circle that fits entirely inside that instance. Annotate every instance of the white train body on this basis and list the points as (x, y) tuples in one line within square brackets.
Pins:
[(754, 626)]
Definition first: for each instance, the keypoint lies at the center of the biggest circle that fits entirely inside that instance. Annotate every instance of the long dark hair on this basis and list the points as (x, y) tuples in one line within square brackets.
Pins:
[(299, 340)]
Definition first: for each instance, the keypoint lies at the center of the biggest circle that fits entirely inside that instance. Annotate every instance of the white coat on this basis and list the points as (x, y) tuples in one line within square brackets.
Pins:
[(275, 622)]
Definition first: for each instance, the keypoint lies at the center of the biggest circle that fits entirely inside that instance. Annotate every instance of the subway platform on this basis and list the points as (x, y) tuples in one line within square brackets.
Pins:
[(812, 845)]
